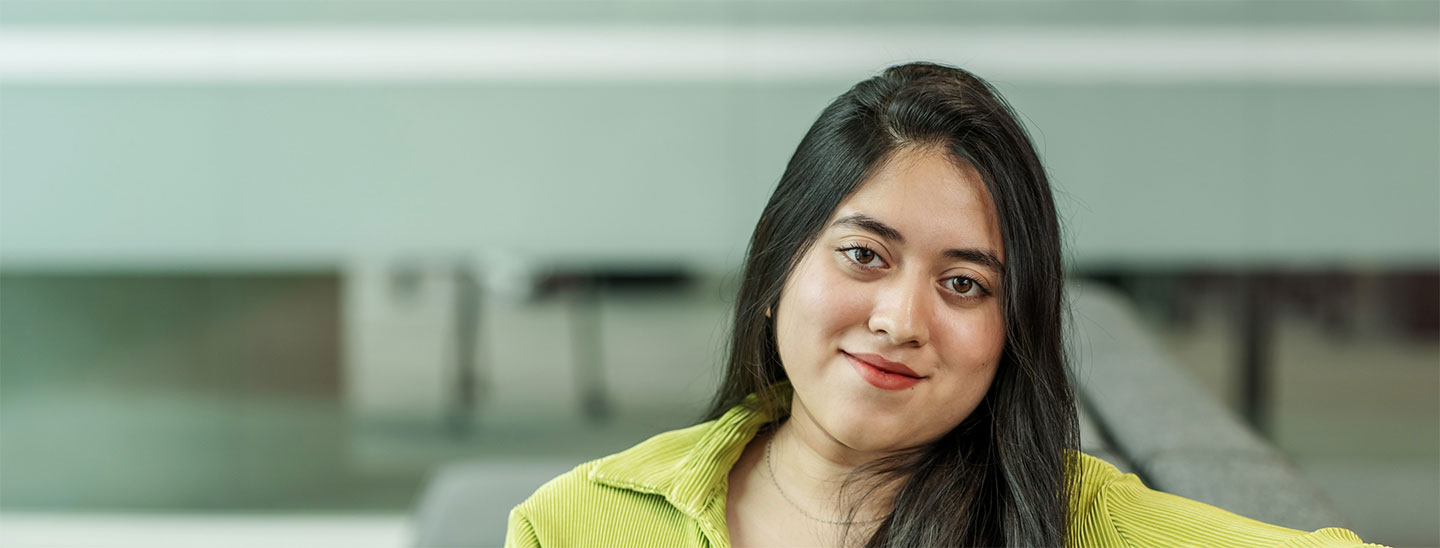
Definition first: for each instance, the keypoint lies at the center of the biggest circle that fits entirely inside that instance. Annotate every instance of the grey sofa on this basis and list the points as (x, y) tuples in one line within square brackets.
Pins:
[(1138, 411), (1152, 416)]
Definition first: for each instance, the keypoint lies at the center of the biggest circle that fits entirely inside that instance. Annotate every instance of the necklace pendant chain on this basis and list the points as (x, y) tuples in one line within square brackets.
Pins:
[(771, 468)]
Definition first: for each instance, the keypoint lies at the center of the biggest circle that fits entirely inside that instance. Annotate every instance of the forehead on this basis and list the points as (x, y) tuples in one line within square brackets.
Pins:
[(931, 199)]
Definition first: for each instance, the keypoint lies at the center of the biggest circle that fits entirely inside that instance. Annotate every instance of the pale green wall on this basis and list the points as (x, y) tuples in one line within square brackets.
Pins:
[(1166, 174)]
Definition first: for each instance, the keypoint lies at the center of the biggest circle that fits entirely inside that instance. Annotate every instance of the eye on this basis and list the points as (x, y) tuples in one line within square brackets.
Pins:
[(862, 256), (967, 287)]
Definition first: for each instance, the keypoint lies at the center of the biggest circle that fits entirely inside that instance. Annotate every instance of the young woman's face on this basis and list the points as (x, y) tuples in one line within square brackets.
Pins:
[(907, 271)]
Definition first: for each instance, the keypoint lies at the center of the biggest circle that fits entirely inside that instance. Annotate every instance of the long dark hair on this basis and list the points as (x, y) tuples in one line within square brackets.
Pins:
[(1004, 476)]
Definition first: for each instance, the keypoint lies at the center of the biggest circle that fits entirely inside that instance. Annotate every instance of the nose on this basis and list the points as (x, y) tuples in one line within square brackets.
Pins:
[(902, 313)]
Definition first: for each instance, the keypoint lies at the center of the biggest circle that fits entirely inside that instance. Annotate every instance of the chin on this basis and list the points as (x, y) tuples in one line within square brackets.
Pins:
[(868, 436)]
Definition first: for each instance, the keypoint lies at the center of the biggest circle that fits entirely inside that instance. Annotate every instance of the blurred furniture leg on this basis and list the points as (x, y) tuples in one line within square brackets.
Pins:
[(1257, 315), (588, 349), (467, 383)]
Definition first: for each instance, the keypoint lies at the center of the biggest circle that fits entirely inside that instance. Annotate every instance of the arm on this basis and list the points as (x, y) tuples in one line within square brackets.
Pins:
[(1145, 517), (520, 533)]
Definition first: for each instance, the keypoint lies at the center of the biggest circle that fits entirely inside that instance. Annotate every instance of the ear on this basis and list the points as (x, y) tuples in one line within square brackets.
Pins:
[(767, 312)]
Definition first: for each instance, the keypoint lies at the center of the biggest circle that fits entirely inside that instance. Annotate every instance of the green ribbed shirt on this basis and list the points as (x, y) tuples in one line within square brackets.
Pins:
[(670, 491)]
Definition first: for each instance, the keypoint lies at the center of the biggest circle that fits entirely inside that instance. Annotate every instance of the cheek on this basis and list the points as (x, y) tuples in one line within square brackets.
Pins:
[(819, 301), (972, 350), (972, 356), (818, 306)]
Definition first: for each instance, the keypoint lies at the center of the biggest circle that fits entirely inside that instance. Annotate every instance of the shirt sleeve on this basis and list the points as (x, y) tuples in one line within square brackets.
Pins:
[(1143, 517), (520, 533)]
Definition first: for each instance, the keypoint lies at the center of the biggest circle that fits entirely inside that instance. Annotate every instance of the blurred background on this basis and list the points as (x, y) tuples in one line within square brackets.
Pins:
[(266, 266)]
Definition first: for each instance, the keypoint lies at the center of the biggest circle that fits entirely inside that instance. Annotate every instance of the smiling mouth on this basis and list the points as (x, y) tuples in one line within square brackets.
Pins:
[(883, 379), (879, 362)]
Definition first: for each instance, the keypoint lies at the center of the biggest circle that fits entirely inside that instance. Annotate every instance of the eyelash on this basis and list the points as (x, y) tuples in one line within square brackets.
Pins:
[(846, 249)]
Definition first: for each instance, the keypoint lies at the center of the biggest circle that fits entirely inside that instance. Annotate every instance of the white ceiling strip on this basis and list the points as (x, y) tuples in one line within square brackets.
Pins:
[(681, 54)]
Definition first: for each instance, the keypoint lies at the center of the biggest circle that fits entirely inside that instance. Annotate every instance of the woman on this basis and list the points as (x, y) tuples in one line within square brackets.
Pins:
[(896, 375)]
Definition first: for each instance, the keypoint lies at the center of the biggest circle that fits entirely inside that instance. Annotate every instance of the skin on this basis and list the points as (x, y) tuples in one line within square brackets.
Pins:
[(912, 307)]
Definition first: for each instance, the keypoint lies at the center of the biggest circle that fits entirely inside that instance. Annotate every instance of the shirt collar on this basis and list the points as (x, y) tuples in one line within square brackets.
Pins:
[(689, 466)]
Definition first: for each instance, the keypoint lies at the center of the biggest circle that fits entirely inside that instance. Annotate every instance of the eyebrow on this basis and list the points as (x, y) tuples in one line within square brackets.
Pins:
[(978, 256)]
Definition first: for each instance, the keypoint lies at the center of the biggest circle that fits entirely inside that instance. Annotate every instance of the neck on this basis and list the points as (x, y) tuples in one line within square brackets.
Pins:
[(810, 466)]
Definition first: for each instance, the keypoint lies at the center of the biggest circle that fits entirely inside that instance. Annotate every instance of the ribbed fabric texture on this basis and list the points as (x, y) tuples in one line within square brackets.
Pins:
[(670, 491)]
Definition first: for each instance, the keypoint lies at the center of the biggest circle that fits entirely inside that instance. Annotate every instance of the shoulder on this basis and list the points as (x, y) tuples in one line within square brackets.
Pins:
[(602, 500), (636, 469), (1112, 508)]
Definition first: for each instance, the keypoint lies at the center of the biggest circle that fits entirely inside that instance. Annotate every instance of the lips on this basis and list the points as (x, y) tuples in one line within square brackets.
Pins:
[(879, 362), (885, 375)]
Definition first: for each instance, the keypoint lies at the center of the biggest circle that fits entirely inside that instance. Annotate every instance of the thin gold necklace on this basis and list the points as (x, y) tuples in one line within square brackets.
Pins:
[(771, 469)]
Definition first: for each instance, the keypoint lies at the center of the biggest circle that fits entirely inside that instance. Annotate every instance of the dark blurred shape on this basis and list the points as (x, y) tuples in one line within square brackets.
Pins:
[(1413, 300)]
